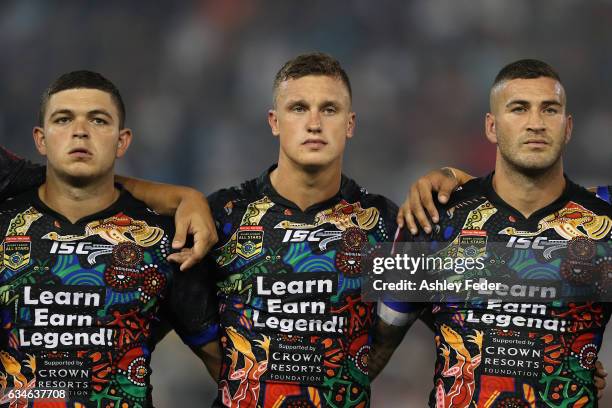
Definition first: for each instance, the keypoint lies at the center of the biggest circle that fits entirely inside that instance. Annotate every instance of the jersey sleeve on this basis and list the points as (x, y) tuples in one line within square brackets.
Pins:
[(191, 308), (18, 175), (396, 313), (605, 193)]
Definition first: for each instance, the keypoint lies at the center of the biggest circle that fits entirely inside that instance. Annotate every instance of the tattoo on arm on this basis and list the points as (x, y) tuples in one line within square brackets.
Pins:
[(385, 340)]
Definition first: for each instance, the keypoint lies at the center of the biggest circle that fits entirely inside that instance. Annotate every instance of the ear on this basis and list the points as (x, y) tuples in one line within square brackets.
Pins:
[(125, 138), (350, 127), (273, 122), (39, 140), (568, 128), (490, 129)]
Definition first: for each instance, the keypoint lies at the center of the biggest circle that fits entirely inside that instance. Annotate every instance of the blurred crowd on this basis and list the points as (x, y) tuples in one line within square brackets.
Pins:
[(197, 77)]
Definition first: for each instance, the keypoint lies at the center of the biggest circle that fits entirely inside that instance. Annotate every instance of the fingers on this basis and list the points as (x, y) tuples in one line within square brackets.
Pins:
[(184, 258), (416, 203), (447, 185), (600, 378), (193, 217), (181, 227), (426, 189), (600, 371)]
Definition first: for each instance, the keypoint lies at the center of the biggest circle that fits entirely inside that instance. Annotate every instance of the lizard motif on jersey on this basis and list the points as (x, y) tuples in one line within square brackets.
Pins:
[(252, 216), (247, 392), (343, 216), (461, 392), (571, 221), (114, 230), (12, 367)]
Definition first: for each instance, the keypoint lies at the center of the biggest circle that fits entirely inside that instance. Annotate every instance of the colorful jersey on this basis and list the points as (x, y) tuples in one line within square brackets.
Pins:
[(295, 332), (513, 350), (78, 302), (17, 175)]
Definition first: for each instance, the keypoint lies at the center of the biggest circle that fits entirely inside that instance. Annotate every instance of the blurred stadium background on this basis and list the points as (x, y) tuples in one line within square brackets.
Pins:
[(196, 77)]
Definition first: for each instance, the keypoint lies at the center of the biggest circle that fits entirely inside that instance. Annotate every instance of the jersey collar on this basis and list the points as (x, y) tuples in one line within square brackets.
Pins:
[(349, 191), (570, 190)]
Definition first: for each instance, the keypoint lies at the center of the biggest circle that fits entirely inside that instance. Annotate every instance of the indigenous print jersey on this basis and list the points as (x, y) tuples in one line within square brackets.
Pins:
[(17, 174), (516, 349), (294, 330), (78, 302)]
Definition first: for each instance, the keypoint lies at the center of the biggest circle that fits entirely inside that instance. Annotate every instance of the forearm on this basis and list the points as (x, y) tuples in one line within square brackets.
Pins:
[(163, 198), (210, 354), (385, 340), (461, 176)]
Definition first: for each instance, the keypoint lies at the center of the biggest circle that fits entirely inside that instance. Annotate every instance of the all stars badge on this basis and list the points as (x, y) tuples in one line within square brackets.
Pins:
[(472, 244), (249, 241), (16, 251)]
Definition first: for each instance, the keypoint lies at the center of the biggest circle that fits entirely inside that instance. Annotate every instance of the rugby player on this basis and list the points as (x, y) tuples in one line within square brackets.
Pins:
[(419, 207), (525, 196), (294, 329), (84, 275)]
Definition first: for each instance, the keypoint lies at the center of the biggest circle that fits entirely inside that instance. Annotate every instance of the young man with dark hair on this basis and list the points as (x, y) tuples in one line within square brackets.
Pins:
[(191, 208), (84, 275), (494, 353), (295, 331)]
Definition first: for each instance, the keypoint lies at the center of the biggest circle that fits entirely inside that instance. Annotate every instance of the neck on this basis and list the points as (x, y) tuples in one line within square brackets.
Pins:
[(75, 201), (528, 192), (304, 187)]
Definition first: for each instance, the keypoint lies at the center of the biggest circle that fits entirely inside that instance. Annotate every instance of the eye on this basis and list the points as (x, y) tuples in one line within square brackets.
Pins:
[(298, 109), (551, 110), (99, 121), (330, 110), (61, 120), (519, 109)]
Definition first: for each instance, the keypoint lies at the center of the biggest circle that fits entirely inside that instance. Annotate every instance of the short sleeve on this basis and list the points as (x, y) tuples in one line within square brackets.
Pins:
[(18, 175), (192, 307)]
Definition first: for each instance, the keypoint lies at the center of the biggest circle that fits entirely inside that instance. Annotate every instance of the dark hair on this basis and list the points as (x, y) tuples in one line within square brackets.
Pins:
[(526, 69), (316, 63), (82, 80)]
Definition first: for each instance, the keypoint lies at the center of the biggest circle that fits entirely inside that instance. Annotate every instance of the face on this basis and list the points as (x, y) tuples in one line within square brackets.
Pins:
[(528, 122), (313, 120), (81, 137)]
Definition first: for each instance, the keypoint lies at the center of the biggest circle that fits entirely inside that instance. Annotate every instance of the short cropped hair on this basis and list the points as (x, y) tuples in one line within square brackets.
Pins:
[(526, 69), (82, 80), (316, 63)]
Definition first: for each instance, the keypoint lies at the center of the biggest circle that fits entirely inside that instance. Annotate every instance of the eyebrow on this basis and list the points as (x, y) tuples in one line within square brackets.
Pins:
[(90, 113), (523, 102), (324, 103)]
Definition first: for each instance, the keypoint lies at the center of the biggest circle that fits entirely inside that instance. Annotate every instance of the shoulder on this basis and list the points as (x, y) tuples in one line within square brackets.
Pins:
[(353, 192), (18, 203), (221, 199), (598, 203), (604, 193), (139, 211)]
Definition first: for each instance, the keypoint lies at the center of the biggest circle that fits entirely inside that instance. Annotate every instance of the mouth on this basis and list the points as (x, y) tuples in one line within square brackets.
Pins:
[(536, 143), (314, 143), (80, 152)]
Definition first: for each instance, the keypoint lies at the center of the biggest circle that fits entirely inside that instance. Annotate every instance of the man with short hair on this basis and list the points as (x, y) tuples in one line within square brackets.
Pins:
[(84, 276), (495, 353), (295, 331)]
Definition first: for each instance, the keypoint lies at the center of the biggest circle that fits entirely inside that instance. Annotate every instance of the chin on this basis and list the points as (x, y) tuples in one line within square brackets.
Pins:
[(315, 165)]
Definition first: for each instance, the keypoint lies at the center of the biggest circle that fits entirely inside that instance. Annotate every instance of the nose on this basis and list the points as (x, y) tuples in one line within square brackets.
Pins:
[(80, 129), (536, 122), (314, 122)]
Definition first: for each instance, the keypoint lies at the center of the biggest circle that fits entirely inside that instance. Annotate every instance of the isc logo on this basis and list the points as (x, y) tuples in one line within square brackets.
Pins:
[(525, 243), (302, 235), (66, 248)]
